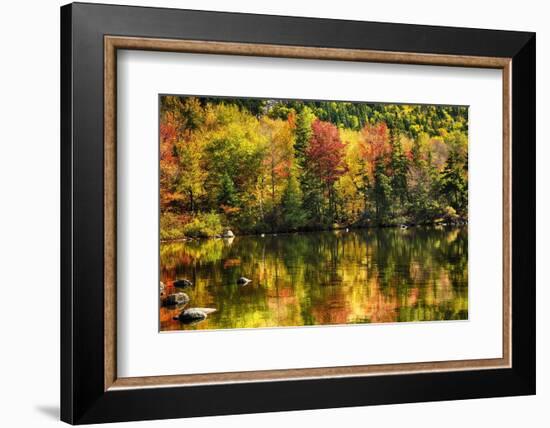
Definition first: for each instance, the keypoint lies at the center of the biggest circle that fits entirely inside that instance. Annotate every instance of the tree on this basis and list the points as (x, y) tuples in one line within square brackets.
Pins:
[(352, 186), (374, 145), (375, 151), (277, 161), (227, 195), (234, 150), (325, 152), (191, 175), (399, 168), (304, 119), (382, 192), (325, 158), (453, 184), (187, 111), (293, 216), (168, 163), (423, 205)]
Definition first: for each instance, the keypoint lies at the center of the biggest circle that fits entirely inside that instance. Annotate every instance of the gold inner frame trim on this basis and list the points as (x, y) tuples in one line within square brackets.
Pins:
[(113, 43)]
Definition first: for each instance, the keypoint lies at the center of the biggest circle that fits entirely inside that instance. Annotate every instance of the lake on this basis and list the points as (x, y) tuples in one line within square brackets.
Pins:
[(321, 278)]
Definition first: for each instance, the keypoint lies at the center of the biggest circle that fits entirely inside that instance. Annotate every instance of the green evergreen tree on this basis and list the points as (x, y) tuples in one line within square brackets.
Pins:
[(313, 200), (227, 194), (304, 119), (293, 216), (399, 165), (381, 192), (453, 184)]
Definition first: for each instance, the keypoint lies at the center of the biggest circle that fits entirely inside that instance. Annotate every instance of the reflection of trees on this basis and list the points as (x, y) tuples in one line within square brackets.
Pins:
[(370, 275)]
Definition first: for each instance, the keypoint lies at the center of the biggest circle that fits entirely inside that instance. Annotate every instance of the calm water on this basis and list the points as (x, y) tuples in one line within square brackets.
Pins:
[(360, 276)]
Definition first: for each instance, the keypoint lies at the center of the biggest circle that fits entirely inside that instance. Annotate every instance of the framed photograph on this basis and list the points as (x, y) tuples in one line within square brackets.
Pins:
[(266, 213)]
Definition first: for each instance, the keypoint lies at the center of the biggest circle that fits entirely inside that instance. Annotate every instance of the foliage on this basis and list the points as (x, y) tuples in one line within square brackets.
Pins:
[(453, 183), (257, 165), (171, 225), (325, 152), (293, 215), (304, 120), (204, 225)]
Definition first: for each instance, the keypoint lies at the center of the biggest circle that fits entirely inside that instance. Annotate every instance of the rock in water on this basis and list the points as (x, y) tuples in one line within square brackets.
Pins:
[(176, 299), (228, 234), (193, 315), (243, 281), (206, 310), (181, 283)]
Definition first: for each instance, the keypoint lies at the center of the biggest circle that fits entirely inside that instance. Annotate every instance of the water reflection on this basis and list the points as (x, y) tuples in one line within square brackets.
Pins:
[(360, 276)]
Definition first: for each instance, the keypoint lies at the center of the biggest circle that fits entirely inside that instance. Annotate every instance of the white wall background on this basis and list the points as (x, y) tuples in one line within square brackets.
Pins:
[(29, 214)]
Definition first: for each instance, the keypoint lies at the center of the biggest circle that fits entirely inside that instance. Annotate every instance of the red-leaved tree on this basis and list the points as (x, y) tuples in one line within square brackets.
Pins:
[(374, 145), (325, 157), (325, 152), (168, 160)]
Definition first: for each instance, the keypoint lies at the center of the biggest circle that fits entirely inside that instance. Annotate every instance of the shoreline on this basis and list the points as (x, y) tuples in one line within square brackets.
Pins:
[(461, 223)]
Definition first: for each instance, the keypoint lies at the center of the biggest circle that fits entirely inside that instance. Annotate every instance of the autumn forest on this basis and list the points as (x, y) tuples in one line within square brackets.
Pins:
[(265, 166)]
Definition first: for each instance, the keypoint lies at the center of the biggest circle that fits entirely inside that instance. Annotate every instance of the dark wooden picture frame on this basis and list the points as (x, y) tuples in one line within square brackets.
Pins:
[(90, 389)]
